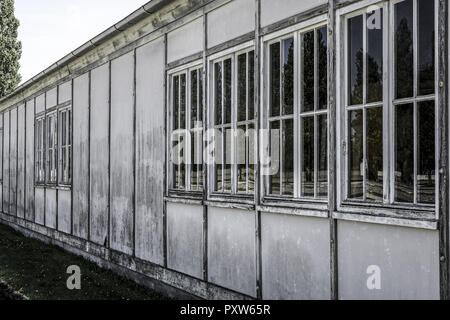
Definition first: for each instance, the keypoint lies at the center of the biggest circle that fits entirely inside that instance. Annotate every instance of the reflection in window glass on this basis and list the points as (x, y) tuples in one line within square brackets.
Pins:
[(404, 57), (425, 47), (227, 90), (275, 79), (242, 88), (288, 157), (374, 184), (275, 187), (242, 147), (404, 155), (308, 169), (323, 156), (322, 54), (426, 163), (218, 92), (355, 60), (308, 71), (375, 61), (356, 159), (288, 76)]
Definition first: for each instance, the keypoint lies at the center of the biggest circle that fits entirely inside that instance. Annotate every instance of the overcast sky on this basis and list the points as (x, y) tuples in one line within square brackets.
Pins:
[(50, 29)]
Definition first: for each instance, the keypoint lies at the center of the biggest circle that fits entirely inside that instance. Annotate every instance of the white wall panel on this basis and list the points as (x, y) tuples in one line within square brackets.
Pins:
[(185, 41), (122, 131), (231, 21), (274, 11)]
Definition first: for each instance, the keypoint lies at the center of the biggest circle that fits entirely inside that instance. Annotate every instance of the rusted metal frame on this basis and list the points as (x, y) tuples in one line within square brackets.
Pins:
[(332, 195), (443, 136)]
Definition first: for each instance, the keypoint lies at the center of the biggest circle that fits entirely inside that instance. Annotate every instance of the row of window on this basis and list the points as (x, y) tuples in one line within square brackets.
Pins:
[(53, 147), (386, 112)]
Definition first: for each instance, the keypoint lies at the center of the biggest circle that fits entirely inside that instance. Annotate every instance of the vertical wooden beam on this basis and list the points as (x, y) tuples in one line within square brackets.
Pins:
[(332, 147), (205, 128), (89, 150), (166, 157), (109, 156), (134, 152), (443, 118), (257, 97)]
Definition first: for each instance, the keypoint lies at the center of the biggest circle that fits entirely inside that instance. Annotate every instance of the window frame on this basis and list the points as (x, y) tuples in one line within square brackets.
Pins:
[(184, 69), (388, 207), (68, 146), (233, 54), (297, 200)]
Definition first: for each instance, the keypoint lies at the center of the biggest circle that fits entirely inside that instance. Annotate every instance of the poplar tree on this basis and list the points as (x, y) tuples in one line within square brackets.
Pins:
[(10, 48)]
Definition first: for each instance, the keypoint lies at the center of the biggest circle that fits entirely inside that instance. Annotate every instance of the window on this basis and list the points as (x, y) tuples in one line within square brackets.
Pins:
[(391, 128), (298, 119), (234, 124), (65, 145), (53, 147), (187, 130), (39, 147)]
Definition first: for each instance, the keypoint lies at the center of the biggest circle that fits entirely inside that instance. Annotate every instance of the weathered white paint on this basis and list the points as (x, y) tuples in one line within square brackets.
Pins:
[(29, 188), (64, 211), (122, 180), (65, 92), (185, 41), (80, 111), (21, 161), (40, 206), (52, 98), (240, 19), (273, 11), (231, 249), (13, 163), (150, 160), (50, 208), (99, 151), (295, 257), (185, 239), (408, 260)]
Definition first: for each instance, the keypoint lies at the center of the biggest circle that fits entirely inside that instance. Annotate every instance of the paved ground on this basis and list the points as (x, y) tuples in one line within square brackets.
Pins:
[(38, 271)]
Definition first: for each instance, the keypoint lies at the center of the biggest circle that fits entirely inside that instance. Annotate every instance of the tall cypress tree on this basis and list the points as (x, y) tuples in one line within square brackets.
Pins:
[(10, 48)]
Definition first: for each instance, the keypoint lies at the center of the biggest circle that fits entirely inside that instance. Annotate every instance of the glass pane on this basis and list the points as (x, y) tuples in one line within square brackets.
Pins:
[(355, 60), (426, 47), (183, 101), (218, 92), (322, 55), (176, 102), (251, 136), (426, 162), (375, 57), (219, 160), (404, 155), (404, 58), (242, 88), (308, 157), (275, 187), (200, 102), (228, 161), (275, 79), (288, 157), (356, 165), (194, 98), (242, 159), (194, 168), (374, 185), (288, 76), (322, 188), (308, 71), (227, 90), (251, 85)]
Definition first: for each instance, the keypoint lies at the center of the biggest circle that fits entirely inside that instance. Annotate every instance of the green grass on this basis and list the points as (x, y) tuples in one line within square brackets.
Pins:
[(38, 271)]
